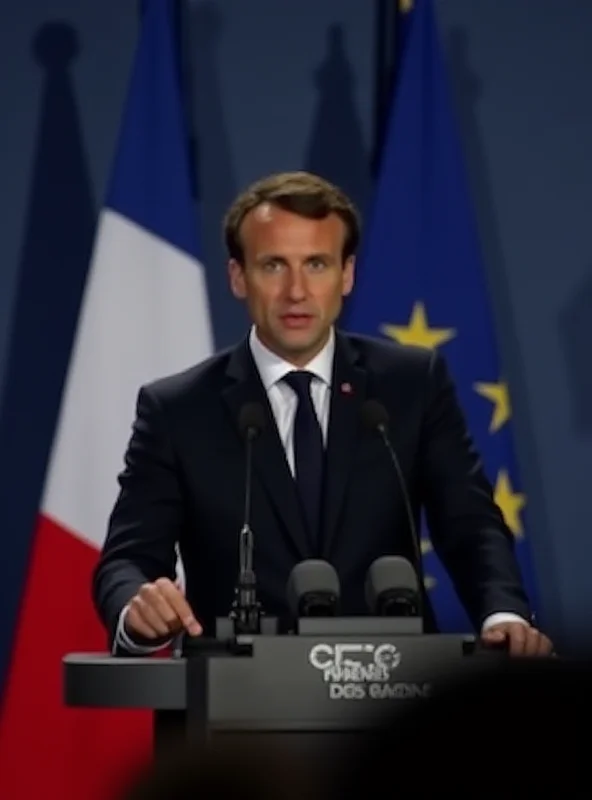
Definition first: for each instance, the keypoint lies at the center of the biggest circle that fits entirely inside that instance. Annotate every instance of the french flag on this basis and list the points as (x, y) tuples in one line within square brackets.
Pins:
[(144, 314)]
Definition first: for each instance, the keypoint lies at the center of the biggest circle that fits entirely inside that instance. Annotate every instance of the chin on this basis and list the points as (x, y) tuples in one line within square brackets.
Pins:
[(299, 341), (296, 342)]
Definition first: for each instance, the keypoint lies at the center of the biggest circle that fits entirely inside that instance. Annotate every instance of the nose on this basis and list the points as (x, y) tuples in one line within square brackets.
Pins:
[(296, 288)]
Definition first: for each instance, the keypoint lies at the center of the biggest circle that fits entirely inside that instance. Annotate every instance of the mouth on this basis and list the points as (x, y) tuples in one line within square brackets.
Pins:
[(295, 321)]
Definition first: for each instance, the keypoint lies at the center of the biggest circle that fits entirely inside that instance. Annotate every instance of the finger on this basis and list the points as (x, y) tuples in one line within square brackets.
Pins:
[(144, 619), (493, 637), (531, 643), (518, 636), (545, 646), (537, 644), (180, 606), (154, 598), (134, 624)]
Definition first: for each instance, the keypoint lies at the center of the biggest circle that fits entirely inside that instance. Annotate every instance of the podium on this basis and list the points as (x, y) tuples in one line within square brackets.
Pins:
[(337, 676)]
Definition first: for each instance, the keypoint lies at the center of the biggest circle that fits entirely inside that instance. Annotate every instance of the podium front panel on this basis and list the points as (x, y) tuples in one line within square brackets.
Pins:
[(322, 683)]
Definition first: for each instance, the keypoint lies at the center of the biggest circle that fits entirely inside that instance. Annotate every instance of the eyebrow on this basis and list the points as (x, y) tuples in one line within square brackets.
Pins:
[(310, 257)]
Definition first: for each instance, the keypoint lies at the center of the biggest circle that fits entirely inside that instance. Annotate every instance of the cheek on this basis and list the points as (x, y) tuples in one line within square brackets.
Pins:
[(261, 298), (331, 296)]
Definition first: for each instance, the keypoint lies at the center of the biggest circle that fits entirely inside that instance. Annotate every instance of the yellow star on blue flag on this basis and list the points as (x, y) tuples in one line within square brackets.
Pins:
[(418, 331), (509, 502), (500, 397), (421, 278)]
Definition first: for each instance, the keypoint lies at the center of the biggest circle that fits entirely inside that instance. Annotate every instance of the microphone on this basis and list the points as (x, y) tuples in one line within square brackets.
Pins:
[(392, 588), (375, 417), (313, 589), (246, 610)]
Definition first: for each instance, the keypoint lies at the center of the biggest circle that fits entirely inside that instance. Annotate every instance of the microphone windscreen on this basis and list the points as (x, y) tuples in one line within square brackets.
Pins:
[(311, 577), (388, 574), (374, 414), (251, 419)]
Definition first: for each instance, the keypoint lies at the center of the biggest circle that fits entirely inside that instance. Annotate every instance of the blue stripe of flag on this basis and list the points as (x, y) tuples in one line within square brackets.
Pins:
[(151, 178)]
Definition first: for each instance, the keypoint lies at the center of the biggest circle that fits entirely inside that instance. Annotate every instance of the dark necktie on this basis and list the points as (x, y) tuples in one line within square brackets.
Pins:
[(308, 451)]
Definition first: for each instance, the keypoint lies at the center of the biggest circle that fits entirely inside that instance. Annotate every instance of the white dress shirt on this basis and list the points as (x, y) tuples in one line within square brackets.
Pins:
[(283, 401)]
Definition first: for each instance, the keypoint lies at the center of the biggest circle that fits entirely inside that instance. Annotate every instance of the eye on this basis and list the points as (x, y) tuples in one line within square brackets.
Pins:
[(273, 265), (317, 264)]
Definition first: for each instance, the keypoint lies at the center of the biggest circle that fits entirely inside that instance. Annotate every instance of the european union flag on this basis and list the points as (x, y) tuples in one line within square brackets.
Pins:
[(421, 279)]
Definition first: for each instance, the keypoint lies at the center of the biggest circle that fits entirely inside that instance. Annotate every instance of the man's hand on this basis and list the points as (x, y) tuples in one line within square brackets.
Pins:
[(522, 639), (159, 610)]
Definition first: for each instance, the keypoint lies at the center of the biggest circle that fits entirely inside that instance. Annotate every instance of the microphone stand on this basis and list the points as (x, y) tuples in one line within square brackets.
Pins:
[(409, 512), (246, 610)]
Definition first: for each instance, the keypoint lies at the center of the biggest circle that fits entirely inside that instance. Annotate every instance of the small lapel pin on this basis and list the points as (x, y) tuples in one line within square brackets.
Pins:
[(346, 388)]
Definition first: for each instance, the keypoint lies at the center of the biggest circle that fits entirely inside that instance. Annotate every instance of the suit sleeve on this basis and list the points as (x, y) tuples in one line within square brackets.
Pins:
[(466, 527), (147, 518)]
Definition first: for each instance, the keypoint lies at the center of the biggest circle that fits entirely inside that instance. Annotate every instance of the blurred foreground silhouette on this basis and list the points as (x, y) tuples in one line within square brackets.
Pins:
[(257, 769), (517, 729)]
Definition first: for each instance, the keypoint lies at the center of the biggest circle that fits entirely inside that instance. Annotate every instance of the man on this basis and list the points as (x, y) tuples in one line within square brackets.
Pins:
[(323, 484)]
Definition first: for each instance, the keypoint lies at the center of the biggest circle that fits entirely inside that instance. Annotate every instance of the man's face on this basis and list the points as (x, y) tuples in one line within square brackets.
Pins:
[(293, 279)]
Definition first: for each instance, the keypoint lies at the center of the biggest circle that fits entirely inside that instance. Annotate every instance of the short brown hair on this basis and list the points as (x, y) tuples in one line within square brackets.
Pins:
[(301, 193)]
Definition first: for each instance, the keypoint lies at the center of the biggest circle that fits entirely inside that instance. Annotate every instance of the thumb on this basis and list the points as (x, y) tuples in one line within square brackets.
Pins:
[(494, 635)]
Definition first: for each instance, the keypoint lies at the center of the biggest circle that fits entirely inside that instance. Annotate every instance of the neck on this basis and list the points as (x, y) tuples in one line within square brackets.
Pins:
[(297, 359)]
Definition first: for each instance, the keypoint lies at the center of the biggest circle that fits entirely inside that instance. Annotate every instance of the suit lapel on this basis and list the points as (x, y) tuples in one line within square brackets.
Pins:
[(269, 459), (348, 391)]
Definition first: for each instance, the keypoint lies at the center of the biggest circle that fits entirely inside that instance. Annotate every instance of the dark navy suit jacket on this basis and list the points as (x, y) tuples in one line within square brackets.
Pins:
[(184, 482)]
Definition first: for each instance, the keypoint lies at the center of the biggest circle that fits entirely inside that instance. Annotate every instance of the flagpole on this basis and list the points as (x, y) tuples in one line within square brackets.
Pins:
[(387, 15), (187, 77)]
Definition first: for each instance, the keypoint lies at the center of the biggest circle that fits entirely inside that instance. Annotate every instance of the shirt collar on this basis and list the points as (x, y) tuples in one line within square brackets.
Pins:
[(272, 368)]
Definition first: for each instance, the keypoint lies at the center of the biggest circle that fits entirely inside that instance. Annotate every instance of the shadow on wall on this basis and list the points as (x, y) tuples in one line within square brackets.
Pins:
[(575, 332), (336, 148), (216, 178), (56, 251)]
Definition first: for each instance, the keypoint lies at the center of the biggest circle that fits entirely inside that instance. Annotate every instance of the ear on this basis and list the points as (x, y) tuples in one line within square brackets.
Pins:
[(236, 276), (347, 279)]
